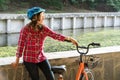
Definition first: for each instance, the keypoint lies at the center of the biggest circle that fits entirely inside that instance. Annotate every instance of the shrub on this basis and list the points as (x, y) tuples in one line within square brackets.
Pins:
[(4, 4), (54, 4)]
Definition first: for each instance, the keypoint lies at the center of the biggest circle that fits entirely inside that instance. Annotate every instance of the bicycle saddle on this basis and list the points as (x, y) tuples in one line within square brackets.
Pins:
[(58, 69)]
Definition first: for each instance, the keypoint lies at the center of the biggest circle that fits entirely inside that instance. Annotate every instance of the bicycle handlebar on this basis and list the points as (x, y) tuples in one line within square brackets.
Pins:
[(86, 47)]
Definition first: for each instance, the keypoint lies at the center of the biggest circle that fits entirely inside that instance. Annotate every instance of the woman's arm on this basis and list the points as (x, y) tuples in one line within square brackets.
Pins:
[(21, 44), (59, 37)]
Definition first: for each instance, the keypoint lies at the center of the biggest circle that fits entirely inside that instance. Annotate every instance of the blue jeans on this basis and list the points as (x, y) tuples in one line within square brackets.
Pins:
[(45, 67)]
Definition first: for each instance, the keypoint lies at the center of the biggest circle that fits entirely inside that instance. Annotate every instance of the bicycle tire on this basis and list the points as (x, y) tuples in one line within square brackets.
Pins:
[(89, 73)]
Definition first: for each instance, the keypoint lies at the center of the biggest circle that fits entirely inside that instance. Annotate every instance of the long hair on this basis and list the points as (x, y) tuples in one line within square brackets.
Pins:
[(34, 20)]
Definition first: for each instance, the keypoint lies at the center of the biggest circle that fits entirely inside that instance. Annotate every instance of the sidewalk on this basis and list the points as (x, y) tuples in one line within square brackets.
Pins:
[(65, 54), (74, 53)]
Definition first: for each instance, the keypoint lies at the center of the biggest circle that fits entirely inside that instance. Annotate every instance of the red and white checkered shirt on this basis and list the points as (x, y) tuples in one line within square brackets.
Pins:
[(31, 42)]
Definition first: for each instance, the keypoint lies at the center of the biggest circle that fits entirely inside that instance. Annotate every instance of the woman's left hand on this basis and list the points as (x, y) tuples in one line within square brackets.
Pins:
[(72, 40)]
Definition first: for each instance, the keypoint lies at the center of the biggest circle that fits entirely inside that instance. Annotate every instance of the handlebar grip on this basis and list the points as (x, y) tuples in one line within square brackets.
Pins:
[(95, 44)]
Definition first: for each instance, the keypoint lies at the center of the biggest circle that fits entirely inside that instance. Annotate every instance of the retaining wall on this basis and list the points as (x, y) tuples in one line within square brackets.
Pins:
[(12, 23), (107, 69)]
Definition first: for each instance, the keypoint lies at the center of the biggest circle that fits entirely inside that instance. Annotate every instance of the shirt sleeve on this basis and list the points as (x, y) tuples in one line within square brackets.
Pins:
[(54, 35), (21, 42)]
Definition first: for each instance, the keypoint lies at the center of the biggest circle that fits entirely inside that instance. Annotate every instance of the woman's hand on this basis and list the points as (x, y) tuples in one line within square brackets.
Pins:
[(70, 39), (15, 64), (74, 41)]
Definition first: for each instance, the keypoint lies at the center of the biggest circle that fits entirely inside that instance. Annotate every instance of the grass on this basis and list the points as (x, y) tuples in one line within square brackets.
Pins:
[(105, 38)]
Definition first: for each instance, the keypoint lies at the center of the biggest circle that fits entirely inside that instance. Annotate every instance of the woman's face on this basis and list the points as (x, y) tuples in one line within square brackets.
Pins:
[(41, 18)]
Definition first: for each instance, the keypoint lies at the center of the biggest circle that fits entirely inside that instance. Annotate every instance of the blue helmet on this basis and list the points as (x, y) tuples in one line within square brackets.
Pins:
[(35, 10)]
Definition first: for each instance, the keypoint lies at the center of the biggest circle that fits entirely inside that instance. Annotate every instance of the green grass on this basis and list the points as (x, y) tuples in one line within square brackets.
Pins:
[(7, 51), (105, 38)]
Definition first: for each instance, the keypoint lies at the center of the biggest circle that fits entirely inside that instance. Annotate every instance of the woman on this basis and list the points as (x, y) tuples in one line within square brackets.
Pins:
[(31, 42)]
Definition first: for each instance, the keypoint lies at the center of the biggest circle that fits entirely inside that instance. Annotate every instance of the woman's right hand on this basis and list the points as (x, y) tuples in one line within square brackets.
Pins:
[(15, 64)]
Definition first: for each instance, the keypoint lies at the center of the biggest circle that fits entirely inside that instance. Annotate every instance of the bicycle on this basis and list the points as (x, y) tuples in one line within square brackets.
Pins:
[(85, 64)]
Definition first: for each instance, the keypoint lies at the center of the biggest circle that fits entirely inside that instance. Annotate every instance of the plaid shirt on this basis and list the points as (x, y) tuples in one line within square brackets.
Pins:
[(31, 43)]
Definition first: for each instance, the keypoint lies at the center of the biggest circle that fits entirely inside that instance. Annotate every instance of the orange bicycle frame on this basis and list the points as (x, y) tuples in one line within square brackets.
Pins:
[(81, 71)]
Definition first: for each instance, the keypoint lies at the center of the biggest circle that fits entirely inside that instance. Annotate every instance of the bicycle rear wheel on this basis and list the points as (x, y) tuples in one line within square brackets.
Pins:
[(89, 74)]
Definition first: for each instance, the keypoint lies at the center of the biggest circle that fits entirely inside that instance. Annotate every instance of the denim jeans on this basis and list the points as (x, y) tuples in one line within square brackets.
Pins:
[(33, 69)]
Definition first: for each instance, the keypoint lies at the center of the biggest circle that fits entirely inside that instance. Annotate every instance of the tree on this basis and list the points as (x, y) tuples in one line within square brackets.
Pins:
[(3, 4)]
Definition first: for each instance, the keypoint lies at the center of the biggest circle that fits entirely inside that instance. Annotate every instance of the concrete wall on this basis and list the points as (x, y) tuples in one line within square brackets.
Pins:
[(107, 69)]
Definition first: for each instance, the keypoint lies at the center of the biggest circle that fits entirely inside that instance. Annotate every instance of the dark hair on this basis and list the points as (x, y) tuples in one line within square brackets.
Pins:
[(34, 20)]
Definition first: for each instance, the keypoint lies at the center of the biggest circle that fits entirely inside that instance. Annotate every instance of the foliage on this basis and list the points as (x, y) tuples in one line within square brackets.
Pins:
[(4, 4), (114, 5), (92, 4), (55, 4)]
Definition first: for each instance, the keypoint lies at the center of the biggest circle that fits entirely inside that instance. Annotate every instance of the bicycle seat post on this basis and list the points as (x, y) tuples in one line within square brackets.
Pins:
[(60, 77)]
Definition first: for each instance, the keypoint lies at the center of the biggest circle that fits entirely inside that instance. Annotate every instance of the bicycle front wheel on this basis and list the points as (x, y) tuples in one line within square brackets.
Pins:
[(89, 74)]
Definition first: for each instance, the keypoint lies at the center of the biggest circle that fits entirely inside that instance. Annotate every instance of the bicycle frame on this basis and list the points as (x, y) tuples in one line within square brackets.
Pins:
[(81, 70), (82, 65), (81, 73)]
